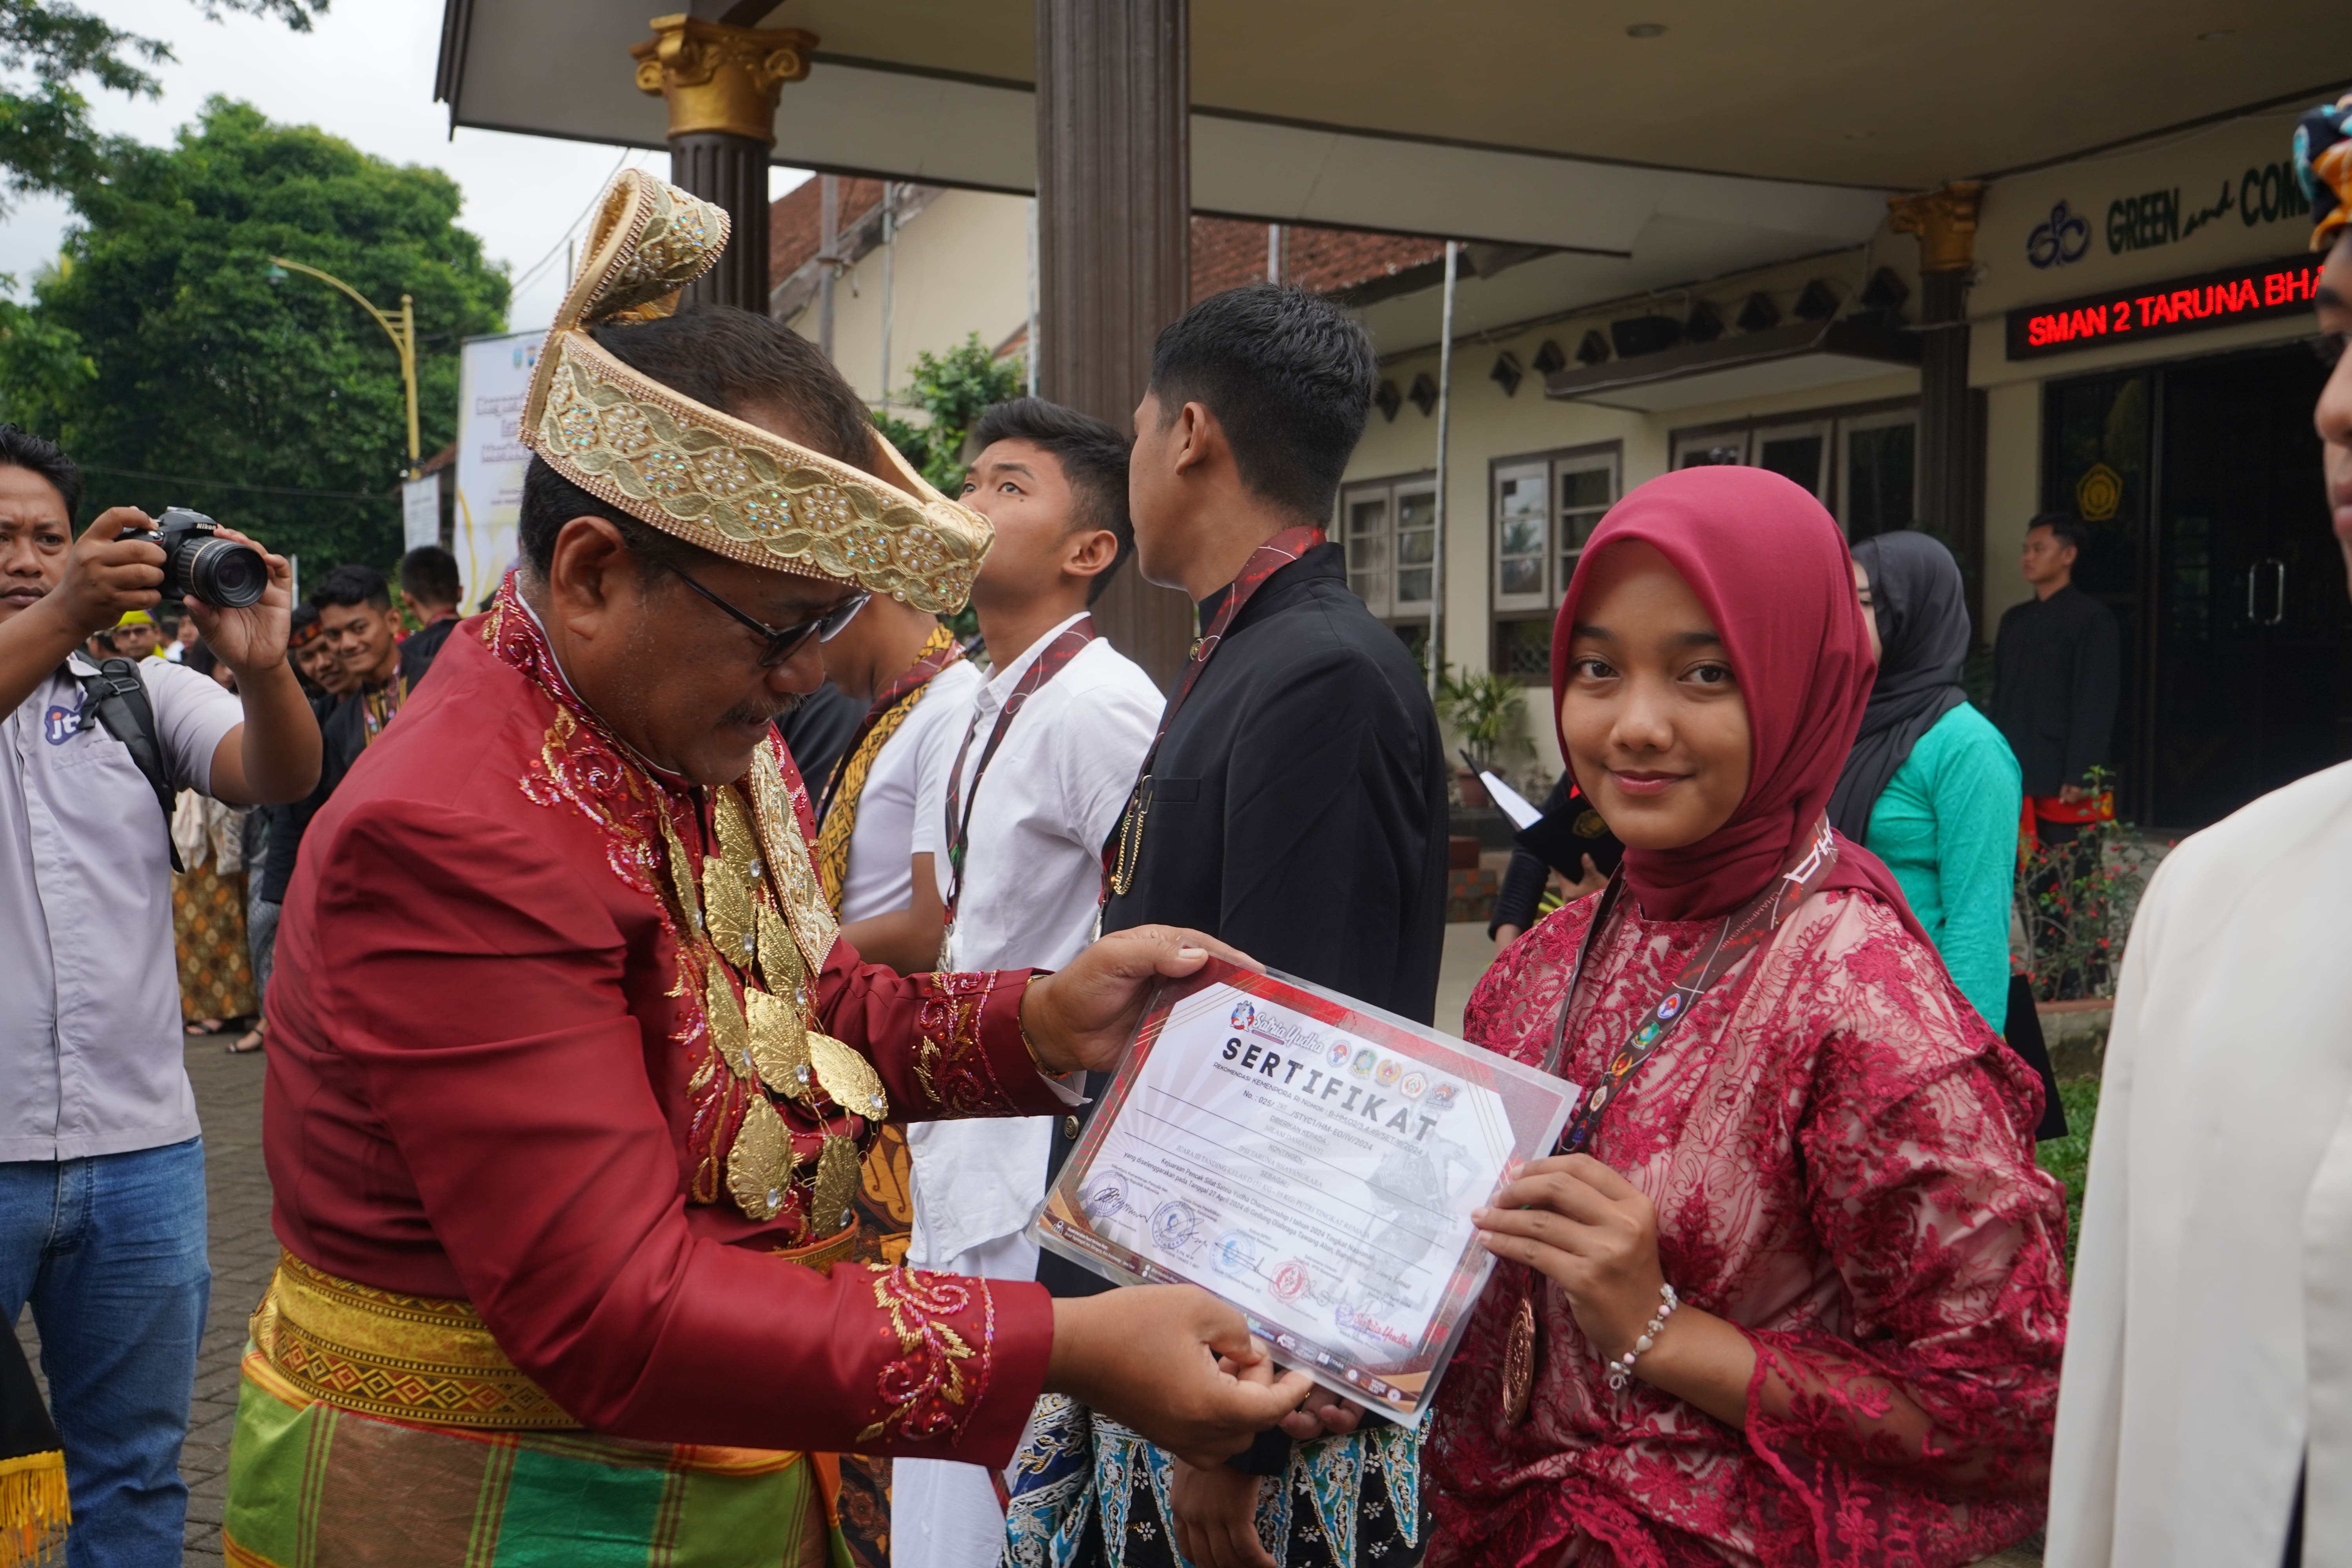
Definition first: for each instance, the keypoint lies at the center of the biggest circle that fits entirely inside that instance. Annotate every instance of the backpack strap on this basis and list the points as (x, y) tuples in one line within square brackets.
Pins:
[(116, 697)]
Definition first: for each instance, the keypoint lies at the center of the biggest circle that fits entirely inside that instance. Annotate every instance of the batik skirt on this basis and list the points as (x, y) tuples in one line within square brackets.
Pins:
[(1088, 1491), (208, 929)]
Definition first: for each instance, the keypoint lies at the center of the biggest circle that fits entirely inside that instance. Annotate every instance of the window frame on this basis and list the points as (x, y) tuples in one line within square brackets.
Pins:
[(1508, 609), (1389, 491), (1847, 429), (1835, 421)]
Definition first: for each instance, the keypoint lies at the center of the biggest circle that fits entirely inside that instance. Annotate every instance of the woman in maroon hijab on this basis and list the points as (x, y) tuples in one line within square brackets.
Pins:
[(1791, 1293)]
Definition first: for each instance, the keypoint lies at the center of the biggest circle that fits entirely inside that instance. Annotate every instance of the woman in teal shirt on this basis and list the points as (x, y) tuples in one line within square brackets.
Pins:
[(1931, 787)]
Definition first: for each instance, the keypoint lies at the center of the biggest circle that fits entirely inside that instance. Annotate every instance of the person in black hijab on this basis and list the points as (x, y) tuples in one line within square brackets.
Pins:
[(1932, 789)]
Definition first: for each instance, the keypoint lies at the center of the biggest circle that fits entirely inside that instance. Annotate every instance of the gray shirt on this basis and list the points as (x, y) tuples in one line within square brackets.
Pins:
[(90, 1050)]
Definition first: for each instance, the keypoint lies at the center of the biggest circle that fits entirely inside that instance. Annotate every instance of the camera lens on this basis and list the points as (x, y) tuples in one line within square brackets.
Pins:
[(226, 575)]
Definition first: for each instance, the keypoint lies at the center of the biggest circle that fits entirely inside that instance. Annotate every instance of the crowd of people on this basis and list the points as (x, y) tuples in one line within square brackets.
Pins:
[(680, 1003)]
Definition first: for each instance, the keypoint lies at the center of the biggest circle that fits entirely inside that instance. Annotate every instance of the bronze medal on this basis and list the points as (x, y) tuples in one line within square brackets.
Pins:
[(848, 1079), (836, 1185), (759, 1161), (779, 1048), (1519, 1361)]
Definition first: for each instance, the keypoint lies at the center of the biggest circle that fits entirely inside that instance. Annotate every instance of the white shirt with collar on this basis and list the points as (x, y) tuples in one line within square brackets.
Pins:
[(879, 879), (1032, 880), (90, 1048)]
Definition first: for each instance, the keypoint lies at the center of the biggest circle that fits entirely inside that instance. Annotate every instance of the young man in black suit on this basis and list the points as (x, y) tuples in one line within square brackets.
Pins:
[(1294, 802)]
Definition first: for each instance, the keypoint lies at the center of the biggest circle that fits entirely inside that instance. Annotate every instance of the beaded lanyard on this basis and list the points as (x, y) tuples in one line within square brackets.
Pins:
[(1742, 931)]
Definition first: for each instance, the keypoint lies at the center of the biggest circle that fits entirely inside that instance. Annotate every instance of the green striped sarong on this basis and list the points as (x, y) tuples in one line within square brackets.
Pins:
[(312, 1486)]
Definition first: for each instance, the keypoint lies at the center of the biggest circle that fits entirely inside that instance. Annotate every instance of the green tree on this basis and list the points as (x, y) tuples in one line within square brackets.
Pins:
[(203, 368), (951, 389), (46, 142)]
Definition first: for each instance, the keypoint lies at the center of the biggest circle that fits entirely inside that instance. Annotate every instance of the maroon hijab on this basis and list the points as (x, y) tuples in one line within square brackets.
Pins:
[(1772, 568)]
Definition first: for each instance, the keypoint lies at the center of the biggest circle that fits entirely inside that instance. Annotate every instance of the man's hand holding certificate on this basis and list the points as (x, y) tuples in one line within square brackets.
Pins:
[(1311, 1161)]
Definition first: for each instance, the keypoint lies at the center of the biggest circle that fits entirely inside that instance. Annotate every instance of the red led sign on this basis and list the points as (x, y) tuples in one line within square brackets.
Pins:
[(2186, 305)]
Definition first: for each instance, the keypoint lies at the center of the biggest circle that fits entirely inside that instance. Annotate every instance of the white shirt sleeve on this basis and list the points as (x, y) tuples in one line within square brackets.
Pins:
[(1098, 760), (193, 713)]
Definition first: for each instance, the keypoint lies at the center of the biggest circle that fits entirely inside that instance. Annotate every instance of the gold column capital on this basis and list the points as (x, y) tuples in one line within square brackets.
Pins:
[(1946, 222), (717, 78)]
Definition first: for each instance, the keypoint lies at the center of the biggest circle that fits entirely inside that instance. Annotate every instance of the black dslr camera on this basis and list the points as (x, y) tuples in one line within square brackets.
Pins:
[(199, 564)]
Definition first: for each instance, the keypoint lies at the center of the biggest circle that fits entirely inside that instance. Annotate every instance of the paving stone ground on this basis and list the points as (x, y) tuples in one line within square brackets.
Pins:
[(236, 1191)]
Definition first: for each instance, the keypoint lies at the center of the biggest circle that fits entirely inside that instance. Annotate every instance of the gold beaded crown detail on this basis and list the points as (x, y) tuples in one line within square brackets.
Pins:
[(711, 480)]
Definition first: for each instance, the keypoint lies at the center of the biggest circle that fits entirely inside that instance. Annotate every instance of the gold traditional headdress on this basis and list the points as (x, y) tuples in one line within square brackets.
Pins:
[(711, 480)]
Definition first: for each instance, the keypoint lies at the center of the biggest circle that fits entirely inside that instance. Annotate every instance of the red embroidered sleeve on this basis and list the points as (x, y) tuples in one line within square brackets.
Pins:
[(946, 1046)]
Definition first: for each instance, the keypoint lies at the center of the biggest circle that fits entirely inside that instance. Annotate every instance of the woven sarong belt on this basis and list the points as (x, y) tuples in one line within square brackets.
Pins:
[(420, 1359)]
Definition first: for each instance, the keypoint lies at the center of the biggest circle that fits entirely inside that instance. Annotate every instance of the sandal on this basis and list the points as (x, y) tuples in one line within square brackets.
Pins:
[(246, 1044), (205, 1026)]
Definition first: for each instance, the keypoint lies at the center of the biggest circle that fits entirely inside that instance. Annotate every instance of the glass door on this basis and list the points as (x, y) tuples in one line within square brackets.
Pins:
[(2251, 685)]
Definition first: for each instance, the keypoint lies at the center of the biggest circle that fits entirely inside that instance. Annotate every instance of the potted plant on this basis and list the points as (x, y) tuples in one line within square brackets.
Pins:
[(1485, 709)]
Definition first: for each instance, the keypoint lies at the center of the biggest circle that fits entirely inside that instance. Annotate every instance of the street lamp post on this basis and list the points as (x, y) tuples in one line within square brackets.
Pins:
[(401, 329)]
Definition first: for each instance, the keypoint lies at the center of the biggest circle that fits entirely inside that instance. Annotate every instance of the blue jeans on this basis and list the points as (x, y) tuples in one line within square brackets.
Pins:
[(110, 1252)]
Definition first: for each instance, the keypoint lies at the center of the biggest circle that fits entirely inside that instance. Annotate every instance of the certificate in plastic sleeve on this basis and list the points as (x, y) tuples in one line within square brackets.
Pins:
[(1310, 1159)]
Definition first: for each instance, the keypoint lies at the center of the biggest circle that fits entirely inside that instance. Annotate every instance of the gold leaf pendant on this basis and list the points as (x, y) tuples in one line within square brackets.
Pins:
[(730, 1037), (779, 958), (836, 1184), (779, 1044), (848, 1079), (759, 1161)]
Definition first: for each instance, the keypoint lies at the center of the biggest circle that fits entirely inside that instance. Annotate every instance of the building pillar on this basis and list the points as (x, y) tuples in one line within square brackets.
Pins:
[(722, 83), (1951, 415), (1114, 242)]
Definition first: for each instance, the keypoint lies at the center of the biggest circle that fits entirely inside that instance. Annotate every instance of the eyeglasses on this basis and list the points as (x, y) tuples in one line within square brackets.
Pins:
[(783, 642)]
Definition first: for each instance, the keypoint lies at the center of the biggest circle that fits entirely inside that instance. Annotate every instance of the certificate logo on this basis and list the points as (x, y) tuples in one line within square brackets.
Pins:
[(1290, 1282), (1338, 1052), (1236, 1254), (1366, 1060), (1107, 1198), (1176, 1226), (1441, 1097), (1387, 1074), (1412, 1085), (1244, 1015)]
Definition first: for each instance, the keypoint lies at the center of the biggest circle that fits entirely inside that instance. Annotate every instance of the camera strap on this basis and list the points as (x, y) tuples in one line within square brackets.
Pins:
[(116, 697)]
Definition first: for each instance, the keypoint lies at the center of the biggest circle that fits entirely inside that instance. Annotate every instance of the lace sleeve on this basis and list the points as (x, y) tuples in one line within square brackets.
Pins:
[(1943, 1373)]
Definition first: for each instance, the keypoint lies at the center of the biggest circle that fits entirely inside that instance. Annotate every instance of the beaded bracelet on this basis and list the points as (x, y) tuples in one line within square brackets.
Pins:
[(1621, 1368)]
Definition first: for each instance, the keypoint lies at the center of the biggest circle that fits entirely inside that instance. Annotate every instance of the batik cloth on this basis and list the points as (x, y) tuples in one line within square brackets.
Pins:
[(1088, 1491), (2322, 162), (209, 934), (314, 1486)]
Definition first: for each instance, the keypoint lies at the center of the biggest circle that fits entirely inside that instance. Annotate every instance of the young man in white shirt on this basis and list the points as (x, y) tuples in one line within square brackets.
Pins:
[(1014, 824)]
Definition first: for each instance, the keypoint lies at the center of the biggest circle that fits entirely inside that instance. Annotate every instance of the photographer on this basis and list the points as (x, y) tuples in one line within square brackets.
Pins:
[(101, 1169)]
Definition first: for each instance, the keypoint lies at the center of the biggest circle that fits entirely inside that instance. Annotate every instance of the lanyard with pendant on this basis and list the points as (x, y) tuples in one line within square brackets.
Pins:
[(1119, 856), (1066, 647), (1744, 930)]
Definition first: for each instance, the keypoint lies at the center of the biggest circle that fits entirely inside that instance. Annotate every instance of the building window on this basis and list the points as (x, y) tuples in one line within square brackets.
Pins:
[(1545, 507), (1391, 534), (1861, 463)]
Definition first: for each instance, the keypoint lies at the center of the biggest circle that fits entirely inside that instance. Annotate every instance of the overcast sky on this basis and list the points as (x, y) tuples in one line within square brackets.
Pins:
[(365, 72)]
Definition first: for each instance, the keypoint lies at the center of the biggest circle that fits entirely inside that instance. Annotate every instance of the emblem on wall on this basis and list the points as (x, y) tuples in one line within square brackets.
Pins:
[(2060, 241)]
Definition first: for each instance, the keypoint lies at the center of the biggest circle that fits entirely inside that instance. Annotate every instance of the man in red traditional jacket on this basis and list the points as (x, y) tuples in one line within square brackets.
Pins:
[(570, 1076)]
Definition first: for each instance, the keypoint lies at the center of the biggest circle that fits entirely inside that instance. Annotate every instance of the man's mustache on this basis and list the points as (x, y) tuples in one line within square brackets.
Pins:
[(762, 712)]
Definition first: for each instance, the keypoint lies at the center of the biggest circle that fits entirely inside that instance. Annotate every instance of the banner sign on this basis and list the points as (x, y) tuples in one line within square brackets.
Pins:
[(493, 378), (420, 511), (2185, 305)]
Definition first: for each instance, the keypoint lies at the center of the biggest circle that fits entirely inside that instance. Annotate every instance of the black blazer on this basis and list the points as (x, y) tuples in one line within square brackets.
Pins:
[(2057, 677)]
